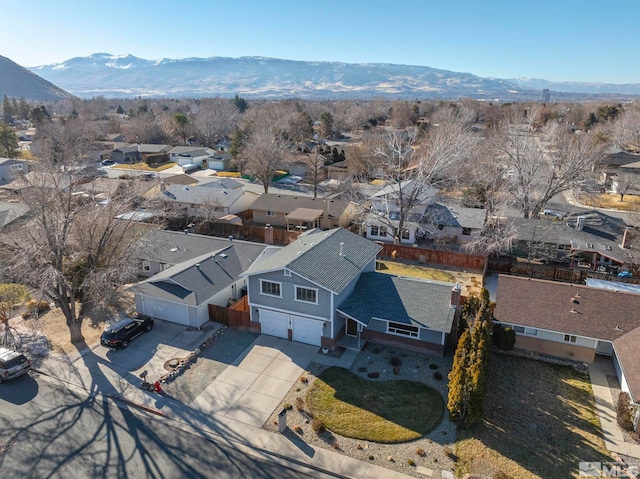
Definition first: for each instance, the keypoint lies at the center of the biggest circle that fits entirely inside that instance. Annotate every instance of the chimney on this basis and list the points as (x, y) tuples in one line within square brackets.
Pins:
[(341, 249), (268, 234), (456, 292), (580, 223), (626, 238), (198, 266)]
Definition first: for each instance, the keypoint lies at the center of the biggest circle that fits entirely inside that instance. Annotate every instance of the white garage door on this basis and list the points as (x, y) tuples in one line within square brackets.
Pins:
[(274, 324), (156, 308), (308, 331)]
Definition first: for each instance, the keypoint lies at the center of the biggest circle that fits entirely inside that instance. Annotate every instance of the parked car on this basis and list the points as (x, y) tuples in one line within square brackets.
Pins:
[(148, 176), (108, 162), (119, 334), (625, 274), (12, 364)]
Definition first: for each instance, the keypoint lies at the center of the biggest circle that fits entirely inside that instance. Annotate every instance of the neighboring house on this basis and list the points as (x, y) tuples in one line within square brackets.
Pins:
[(323, 290), (11, 211), (126, 154), (302, 212), (190, 157), (338, 171), (621, 172), (219, 161), (182, 293), (215, 202), (574, 322), (222, 183), (10, 168), (588, 239)]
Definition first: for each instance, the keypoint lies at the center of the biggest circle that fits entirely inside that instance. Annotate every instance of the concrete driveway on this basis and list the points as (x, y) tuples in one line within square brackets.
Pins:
[(117, 371), (254, 385)]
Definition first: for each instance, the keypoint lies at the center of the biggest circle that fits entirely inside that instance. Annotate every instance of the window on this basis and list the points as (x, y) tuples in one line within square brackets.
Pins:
[(403, 329), (270, 288), (531, 331), (271, 213), (377, 230), (568, 338), (287, 272), (466, 231), (518, 329), (16, 166), (563, 247), (307, 295), (406, 234), (146, 265)]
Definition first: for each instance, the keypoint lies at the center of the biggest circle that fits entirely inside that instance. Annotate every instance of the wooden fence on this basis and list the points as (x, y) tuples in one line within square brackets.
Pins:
[(439, 257)]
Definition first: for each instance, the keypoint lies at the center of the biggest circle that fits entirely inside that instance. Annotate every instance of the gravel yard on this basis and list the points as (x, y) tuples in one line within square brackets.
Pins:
[(434, 451), (210, 363)]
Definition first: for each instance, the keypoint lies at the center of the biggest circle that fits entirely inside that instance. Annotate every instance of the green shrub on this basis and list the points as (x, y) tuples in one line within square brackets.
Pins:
[(504, 338)]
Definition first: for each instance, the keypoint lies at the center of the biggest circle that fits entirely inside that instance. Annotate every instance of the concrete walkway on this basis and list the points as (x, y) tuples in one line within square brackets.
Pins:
[(232, 409), (613, 439)]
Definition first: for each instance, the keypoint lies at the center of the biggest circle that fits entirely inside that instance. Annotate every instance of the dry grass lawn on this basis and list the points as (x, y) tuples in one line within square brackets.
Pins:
[(540, 422), (471, 282), (143, 166), (382, 412), (630, 203)]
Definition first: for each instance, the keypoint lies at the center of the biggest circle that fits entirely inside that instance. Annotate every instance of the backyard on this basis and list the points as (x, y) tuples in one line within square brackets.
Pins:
[(537, 425)]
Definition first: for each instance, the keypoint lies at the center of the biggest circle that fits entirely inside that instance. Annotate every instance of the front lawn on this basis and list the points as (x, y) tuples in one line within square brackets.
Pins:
[(143, 166), (423, 272), (377, 411), (540, 422)]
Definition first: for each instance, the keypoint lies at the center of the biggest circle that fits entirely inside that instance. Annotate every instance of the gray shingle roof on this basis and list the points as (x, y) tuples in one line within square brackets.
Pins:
[(457, 216), (195, 281), (225, 183), (172, 247), (198, 195), (402, 300), (316, 257)]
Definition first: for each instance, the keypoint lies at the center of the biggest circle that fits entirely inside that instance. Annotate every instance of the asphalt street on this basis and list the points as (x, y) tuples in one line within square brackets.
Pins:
[(50, 431)]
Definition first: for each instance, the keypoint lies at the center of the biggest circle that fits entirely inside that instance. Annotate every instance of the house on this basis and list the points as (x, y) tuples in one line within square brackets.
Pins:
[(302, 212), (10, 168), (387, 205), (589, 239), (126, 154), (338, 171), (621, 172), (191, 157), (463, 224), (323, 290), (575, 322), (219, 161), (11, 211), (210, 201), (182, 292)]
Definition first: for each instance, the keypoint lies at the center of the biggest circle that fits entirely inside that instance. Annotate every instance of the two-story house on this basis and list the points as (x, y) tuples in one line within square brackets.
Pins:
[(323, 288)]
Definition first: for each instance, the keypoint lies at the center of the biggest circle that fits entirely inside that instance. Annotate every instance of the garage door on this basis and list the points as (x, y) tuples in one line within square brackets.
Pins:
[(174, 312), (308, 331), (274, 324)]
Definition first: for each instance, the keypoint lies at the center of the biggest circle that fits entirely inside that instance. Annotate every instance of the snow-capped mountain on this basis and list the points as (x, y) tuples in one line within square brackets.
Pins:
[(128, 76)]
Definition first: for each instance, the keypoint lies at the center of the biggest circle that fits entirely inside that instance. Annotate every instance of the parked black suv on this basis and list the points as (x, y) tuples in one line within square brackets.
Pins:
[(119, 334), (12, 364)]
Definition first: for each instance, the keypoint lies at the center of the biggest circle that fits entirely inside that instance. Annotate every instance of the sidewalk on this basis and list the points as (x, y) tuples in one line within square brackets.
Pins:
[(100, 377), (613, 439)]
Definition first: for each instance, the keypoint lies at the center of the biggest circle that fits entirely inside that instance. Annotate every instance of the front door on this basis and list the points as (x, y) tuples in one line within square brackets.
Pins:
[(352, 327)]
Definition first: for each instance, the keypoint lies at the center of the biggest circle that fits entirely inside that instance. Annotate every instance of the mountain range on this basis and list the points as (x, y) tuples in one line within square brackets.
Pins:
[(126, 76), (18, 82)]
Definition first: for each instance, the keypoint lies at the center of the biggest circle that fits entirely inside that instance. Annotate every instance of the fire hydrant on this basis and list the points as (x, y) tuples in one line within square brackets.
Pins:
[(156, 387)]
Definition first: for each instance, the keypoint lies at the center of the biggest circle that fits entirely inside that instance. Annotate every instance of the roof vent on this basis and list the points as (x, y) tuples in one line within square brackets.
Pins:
[(617, 328), (223, 255), (574, 300), (573, 310), (198, 265), (230, 238)]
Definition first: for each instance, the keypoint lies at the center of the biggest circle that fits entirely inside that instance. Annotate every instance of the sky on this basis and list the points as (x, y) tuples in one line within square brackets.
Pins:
[(557, 40)]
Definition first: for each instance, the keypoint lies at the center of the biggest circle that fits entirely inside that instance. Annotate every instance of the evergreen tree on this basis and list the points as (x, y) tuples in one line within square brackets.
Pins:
[(458, 378), (7, 110), (240, 103), (8, 142)]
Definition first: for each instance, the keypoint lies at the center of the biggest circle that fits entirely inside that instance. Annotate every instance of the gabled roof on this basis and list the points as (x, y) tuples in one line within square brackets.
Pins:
[(11, 211), (177, 150), (628, 354), (224, 183), (456, 216), (196, 281), (316, 257), (199, 195), (181, 179), (594, 313), (403, 300), (153, 148), (287, 203), (392, 190), (173, 247)]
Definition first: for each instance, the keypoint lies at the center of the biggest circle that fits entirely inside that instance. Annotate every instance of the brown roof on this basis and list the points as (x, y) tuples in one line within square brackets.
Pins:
[(566, 308), (304, 214), (288, 203), (180, 180), (628, 354)]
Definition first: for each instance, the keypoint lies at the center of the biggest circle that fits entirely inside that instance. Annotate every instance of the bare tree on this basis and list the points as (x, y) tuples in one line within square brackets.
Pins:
[(262, 154), (626, 130), (540, 172), (215, 119), (74, 251)]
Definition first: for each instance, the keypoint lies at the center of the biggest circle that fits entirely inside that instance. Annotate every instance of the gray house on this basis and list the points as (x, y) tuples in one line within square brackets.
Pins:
[(182, 292), (10, 168), (323, 290)]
